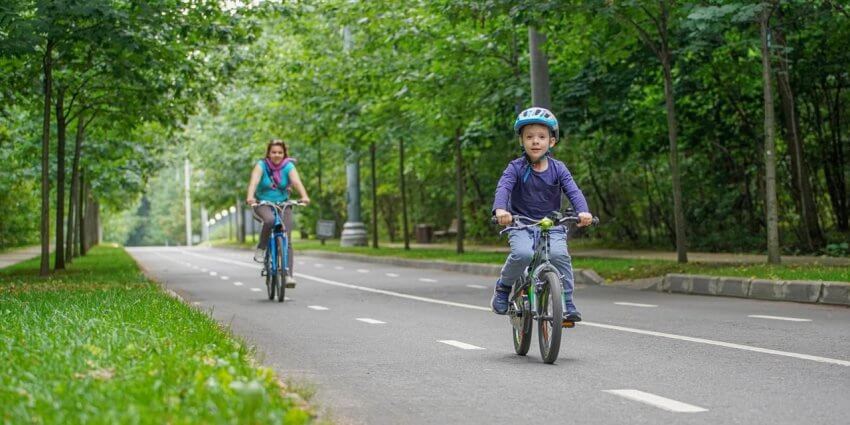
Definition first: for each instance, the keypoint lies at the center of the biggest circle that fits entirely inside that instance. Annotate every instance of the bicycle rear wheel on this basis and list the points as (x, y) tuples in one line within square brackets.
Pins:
[(551, 310), (280, 273), (521, 324), (269, 281)]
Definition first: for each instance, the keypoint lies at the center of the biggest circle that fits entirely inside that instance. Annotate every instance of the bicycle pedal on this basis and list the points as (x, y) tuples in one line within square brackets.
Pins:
[(568, 324), (290, 284), (263, 272)]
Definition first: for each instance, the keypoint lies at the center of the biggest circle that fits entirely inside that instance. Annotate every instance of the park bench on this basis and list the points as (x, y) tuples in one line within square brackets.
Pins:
[(451, 231)]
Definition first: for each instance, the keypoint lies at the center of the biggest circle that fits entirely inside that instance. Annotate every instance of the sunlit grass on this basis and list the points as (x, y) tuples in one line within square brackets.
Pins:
[(101, 344)]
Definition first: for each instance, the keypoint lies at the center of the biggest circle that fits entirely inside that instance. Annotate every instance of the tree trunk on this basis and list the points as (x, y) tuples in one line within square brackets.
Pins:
[(74, 192), (403, 194), (84, 212), (804, 199), (769, 146), (672, 135), (45, 161), (372, 149), (61, 125), (459, 189), (78, 233)]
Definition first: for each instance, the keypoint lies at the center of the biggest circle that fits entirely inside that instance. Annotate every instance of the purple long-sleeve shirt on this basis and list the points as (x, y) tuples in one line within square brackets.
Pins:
[(540, 192)]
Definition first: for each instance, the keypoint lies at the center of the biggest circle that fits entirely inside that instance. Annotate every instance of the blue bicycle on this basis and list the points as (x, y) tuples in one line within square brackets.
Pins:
[(278, 253)]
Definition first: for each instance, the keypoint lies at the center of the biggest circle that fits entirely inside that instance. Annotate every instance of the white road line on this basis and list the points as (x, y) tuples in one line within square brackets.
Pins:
[(789, 319), (286, 298), (371, 321), (339, 267), (237, 283), (636, 304), (657, 401), (459, 344), (318, 265), (225, 278), (213, 273), (362, 271), (392, 275), (476, 286), (316, 307), (425, 279), (256, 290), (838, 362), (204, 270)]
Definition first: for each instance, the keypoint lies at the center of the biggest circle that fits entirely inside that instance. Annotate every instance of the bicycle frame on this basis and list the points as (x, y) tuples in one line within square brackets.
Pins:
[(278, 232), (539, 263)]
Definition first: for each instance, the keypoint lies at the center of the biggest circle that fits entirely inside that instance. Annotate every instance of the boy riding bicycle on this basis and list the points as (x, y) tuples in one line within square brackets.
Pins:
[(531, 186)]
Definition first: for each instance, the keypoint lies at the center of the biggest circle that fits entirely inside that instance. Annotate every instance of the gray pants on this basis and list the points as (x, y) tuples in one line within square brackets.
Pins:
[(522, 250), (266, 214)]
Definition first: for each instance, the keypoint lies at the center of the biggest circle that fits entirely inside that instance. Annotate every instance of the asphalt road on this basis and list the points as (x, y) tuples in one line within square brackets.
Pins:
[(391, 345)]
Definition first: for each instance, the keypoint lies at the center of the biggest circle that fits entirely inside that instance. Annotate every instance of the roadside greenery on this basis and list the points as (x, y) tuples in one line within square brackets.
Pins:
[(99, 343), (612, 269)]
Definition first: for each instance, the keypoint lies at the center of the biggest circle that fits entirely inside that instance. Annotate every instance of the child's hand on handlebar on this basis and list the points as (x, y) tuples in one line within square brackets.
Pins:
[(504, 218), (585, 219)]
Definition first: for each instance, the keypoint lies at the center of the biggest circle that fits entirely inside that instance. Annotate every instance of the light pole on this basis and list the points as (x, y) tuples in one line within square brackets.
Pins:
[(353, 231)]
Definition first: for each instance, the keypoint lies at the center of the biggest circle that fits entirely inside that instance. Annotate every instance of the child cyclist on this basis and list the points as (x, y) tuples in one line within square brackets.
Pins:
[(531, 186)]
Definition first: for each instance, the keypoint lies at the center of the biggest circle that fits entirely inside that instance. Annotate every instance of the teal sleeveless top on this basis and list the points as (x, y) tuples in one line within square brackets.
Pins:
[(264, 188)]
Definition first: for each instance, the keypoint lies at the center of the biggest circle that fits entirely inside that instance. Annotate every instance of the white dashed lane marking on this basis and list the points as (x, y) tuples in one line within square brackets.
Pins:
[(256, 290), (657, 401), (339, 267), (224, 278), (213, 273), (392, 275), (318, 266), (787, 319), (635, 304), (371, 321), (425, 279), (459, 344), (204, 270), (362, 271), (237, 283), (316, 307), (476, 286)]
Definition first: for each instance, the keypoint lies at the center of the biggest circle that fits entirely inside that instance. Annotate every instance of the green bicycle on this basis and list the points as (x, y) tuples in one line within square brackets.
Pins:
[(538, 295)]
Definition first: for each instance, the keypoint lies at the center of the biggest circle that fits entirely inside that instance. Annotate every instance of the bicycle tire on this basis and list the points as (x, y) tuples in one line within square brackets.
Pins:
[(269, 280), (551, 308), (521, 328), (280, 273)]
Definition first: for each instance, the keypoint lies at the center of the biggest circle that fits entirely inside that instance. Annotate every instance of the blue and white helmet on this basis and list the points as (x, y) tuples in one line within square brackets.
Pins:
[(537, 115)]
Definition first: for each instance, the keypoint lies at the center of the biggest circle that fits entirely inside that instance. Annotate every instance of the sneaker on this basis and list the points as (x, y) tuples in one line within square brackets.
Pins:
[(571, 313), (290, 281), (499, 304), (260, 255)]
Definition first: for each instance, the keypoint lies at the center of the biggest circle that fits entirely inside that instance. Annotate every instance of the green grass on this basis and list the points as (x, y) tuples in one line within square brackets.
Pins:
[(99, 343), (612, 269)]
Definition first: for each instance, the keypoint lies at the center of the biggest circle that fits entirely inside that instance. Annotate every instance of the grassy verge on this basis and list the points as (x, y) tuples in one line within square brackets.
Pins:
[(612, 269), (99, 343)]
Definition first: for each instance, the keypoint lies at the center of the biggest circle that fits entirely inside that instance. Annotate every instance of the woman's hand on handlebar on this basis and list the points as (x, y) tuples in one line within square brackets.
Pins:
[(252, 202), (585, 219), (304, 201), (503, 217)]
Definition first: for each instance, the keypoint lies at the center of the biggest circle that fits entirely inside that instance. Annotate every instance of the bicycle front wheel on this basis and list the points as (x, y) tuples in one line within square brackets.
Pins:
[(280, 273), (551, 310)]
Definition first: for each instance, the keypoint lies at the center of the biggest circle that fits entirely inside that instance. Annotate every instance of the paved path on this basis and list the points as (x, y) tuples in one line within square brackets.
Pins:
[(17, 255), (390, 345)]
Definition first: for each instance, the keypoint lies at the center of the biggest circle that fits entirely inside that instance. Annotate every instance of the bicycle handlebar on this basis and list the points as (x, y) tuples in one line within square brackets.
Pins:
[(517, 222)]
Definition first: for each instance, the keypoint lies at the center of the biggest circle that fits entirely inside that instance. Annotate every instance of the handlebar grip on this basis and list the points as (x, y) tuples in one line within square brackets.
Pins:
[(595, 221)]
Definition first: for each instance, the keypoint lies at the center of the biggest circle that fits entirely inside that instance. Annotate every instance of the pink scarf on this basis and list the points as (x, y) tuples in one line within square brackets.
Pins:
[(275, 170)]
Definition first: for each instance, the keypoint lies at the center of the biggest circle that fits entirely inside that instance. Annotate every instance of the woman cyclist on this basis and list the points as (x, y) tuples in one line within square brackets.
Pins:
[(271, 180)]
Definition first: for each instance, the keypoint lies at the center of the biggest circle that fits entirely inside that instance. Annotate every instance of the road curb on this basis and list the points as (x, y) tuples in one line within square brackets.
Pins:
[(804, 291), (581, 276)]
